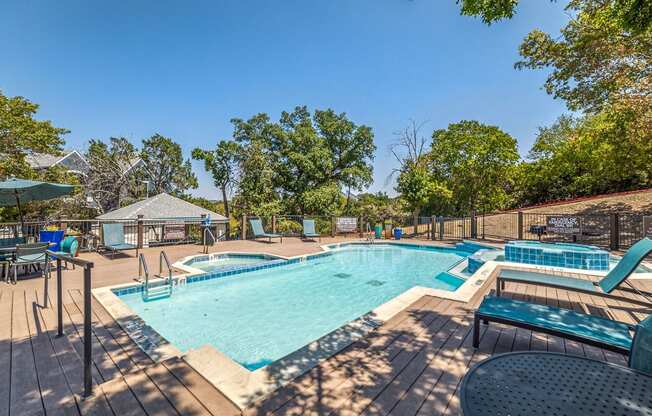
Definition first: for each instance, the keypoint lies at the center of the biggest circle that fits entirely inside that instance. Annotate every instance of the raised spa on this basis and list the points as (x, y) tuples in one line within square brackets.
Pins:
[(574, 256)]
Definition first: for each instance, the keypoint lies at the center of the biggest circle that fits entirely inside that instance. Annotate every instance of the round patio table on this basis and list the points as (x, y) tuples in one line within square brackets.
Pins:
[(542, 383)]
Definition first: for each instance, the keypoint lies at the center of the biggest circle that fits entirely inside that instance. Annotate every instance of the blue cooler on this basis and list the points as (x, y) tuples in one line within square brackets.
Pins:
[(398, 232)]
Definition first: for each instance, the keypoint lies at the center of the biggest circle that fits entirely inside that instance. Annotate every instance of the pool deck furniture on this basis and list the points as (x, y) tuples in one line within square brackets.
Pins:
[(69, 247), (593, 330), (309, 230), (114, 239), (547, 383), (259, 231), (31, 254), (618, 275), (54, 236)]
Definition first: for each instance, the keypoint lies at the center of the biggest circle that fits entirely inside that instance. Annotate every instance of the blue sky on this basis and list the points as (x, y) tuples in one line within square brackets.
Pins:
[(184, 69)]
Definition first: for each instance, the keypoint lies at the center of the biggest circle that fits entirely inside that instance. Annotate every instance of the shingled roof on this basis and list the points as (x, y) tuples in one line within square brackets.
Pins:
[(162, 207)]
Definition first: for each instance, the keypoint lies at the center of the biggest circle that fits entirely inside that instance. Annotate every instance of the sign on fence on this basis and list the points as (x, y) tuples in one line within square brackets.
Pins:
[(174, 232), (346, 224), (647, 226), (564, 224)]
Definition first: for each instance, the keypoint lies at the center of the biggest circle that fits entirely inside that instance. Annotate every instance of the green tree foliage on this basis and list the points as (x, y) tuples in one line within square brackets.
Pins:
[(222, 164), (301, 164), (167, 170), (21, 134), (630, 15), (475, 162)]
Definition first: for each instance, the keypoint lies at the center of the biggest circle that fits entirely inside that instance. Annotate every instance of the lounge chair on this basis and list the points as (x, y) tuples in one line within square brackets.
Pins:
[(69, 248), (259, 232), (31, 254), (114, 239), (309, 230), (600, 332), (625, 267)]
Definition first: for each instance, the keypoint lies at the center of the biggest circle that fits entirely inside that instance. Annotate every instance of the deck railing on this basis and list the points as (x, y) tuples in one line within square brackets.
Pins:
[(87, 267)]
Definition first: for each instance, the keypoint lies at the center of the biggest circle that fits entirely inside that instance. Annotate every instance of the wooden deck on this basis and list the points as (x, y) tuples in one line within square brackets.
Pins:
[(412, 365)]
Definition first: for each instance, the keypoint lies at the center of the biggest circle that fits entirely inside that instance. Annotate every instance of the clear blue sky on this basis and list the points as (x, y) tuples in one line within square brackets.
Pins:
[(184, 69)]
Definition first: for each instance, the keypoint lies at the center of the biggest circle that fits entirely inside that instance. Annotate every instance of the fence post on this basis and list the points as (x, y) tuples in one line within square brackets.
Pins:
[(332, 226), (360, 226), (474, 225), (433, 224), (243, 228), (59, 300), (520, 225), (274, 224), (441, 228), (415, 221), (140, 228), (201, 227), (615, 232)]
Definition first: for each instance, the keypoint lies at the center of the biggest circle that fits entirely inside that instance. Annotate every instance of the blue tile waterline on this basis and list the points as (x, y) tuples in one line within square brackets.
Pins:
[(257, 314), (574, 256)]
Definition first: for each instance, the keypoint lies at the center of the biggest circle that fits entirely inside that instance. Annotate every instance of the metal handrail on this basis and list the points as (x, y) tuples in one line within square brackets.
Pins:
[(164, 257), (142, 265), (207, 230)]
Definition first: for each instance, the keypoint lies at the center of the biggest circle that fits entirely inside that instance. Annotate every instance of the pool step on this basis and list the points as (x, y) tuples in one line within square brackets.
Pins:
[(158, 292)]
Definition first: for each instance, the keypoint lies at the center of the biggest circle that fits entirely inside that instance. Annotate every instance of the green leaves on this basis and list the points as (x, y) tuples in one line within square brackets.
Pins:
[(168, 171)]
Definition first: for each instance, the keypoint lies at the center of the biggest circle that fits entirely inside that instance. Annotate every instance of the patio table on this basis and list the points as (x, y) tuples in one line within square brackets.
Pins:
[(543, 383)]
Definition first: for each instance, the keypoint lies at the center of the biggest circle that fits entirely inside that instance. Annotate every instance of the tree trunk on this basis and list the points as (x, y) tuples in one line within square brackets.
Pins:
[(227, 212)]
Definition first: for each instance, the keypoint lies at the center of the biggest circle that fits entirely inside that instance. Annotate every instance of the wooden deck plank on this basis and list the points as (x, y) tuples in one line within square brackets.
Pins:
[(176, 393), (55, 392), (204, 392), (121, 398), (25, 388), (149, 396), (6, 304)]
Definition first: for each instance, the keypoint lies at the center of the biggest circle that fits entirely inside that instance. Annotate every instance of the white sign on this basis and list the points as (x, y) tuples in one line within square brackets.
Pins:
[(564, 225), (346, 224)]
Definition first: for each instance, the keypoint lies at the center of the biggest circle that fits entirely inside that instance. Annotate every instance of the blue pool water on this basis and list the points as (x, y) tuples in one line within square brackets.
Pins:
[(223, 262), (260, 316)]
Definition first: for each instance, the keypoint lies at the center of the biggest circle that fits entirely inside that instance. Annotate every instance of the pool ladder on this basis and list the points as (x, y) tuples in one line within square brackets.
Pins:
[(156, 290)]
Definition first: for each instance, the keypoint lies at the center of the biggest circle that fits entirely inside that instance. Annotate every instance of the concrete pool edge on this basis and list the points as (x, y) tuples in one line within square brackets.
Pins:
[(244, 387)]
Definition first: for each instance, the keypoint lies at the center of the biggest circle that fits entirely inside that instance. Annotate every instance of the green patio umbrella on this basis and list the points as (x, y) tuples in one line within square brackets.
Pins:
[(14, 191)]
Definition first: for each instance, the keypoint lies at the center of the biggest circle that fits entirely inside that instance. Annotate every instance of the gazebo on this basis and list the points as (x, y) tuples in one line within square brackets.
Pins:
[(165, 219)]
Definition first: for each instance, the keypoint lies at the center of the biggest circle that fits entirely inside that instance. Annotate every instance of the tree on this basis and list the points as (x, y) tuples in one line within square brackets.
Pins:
[(630, 15), (301, 163), (21, 134), (475, 162), (114, 176), (222, 164), (417, 186), (168, 171)]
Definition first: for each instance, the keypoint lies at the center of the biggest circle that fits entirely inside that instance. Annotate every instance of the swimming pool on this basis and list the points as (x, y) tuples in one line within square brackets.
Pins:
[(260, 316), (226, 261)]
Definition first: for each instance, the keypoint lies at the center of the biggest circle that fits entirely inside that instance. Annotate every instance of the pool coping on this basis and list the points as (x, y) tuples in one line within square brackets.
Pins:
[(244, 387)]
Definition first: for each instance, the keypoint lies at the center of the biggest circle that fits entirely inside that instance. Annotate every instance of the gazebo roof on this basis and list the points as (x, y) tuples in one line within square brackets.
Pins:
[(162, 207)]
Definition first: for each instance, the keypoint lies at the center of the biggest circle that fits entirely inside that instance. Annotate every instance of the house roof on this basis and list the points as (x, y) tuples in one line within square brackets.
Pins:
[(160, 207), (45, 160)]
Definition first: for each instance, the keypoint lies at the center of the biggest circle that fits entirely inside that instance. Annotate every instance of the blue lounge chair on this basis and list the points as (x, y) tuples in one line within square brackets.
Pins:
[(593, 330), (114, 239), (625, 267), (259, 232), (309, 230)]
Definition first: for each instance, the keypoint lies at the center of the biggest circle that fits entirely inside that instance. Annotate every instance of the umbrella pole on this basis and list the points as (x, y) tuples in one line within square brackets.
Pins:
[(20, 212)]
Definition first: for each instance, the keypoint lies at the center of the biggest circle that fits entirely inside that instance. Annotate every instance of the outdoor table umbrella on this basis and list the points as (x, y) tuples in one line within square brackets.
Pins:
[(14, 191)]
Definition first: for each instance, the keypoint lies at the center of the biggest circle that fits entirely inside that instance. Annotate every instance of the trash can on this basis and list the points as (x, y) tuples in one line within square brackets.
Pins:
[(398, 232), (378, 231)]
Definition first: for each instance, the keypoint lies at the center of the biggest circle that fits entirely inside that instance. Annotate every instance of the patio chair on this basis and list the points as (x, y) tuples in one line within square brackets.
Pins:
[(309, 230), (5, 258), (625, 267), (593, 330), (69, 248), (32, 254), (259, 232), (114, 239)]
